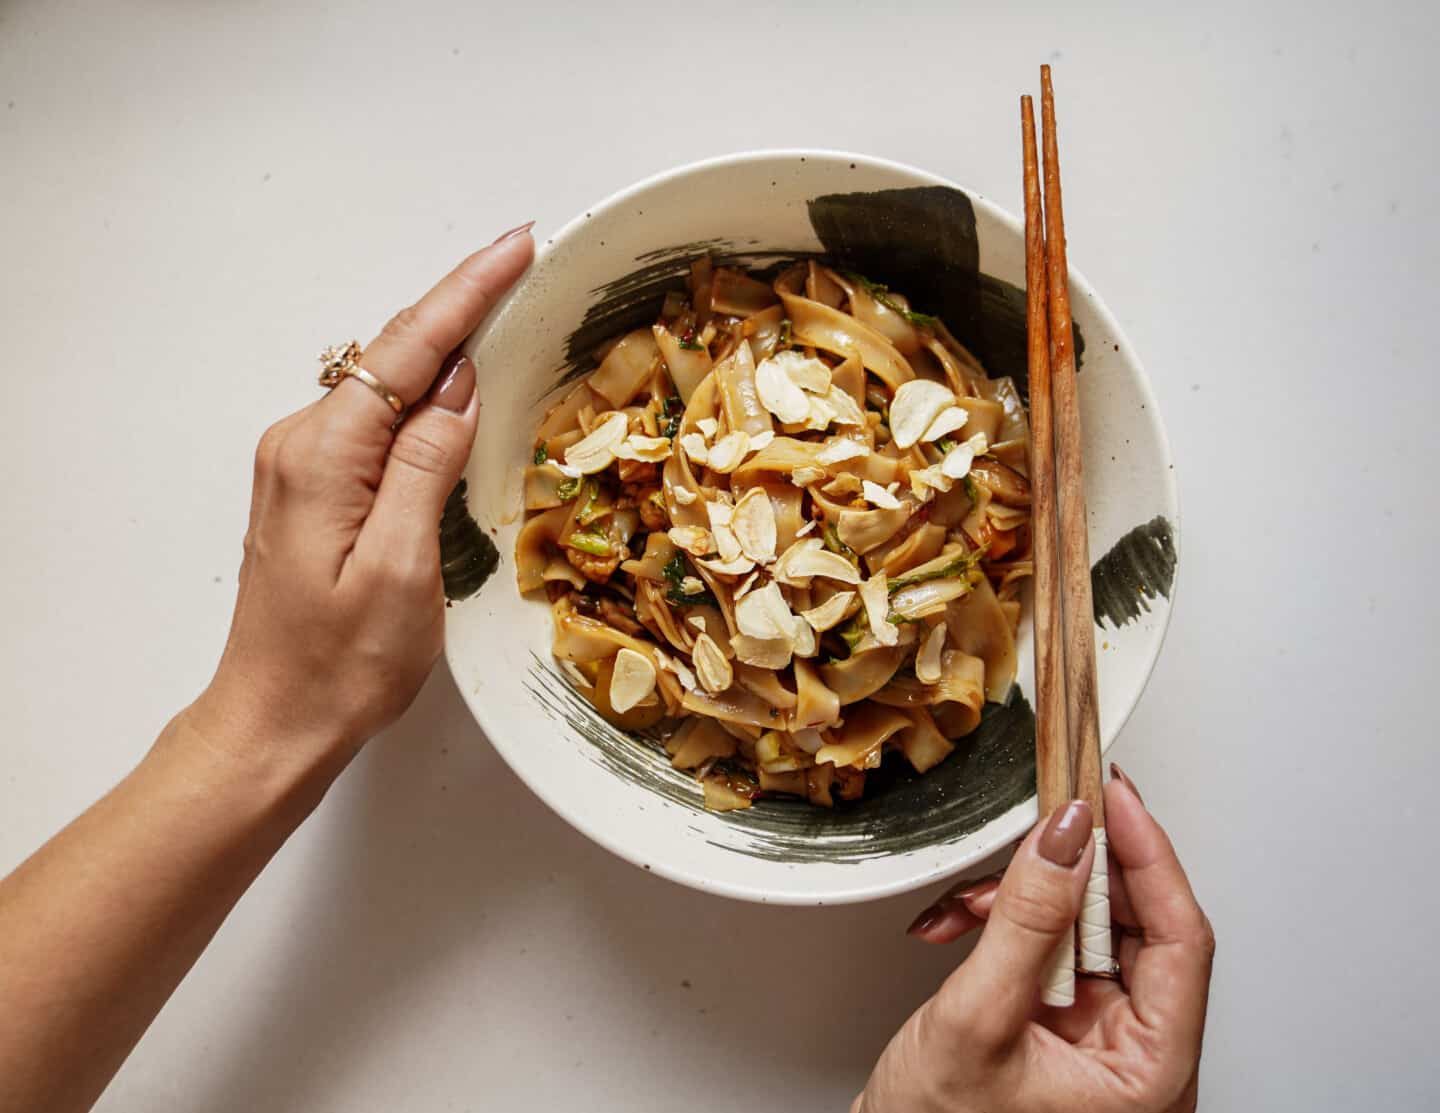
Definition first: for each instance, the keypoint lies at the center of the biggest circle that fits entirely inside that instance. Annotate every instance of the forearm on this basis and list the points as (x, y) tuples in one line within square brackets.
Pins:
[(99, 926)]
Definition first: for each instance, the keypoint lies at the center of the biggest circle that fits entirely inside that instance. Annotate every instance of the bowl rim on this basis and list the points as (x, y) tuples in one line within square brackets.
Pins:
[(1005, 829)]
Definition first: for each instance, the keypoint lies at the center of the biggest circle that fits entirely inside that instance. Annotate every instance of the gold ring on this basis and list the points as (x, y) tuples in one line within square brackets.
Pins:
[(342, 361)]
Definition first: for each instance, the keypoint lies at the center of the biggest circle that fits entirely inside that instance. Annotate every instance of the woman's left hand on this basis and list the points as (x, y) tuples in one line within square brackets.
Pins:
[(340, 612), (984, 1042)]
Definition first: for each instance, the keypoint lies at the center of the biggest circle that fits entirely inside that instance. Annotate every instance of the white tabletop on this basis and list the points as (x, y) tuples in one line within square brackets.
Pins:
[(197, 197)]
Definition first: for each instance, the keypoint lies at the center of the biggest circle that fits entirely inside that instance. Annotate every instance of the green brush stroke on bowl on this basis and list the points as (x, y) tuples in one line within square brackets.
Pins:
[(1140, 566), (991, 770), (467, 555)]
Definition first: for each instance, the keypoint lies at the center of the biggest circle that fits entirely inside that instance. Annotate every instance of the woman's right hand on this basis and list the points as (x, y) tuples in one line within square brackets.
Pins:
[(984, 1042)]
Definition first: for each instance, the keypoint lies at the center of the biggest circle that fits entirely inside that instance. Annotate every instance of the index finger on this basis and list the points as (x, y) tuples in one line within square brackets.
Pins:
[(410, 348), (1170, 983)]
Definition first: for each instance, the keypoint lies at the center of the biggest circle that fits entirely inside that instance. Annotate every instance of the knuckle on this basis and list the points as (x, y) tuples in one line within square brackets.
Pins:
[(422, 451), (1205, 937), (477, 285), (953, 1019), (405, 573), (408, 327), (267, 451), (1038, 906), (291, 463)]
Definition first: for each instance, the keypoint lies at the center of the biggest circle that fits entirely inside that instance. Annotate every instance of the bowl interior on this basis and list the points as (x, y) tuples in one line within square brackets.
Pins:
[(954, 255)]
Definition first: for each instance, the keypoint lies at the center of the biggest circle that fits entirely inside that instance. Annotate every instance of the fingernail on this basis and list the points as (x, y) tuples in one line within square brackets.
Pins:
[(1065, 835), (984, 885), (455, 385), (926, 920), (518, 230), (1119, 775)]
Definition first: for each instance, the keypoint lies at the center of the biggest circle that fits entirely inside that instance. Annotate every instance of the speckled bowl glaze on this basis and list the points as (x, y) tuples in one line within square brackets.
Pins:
[(954, 254)]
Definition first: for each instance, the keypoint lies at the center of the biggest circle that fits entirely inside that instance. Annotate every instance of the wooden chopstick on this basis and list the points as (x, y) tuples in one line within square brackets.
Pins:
[(1081, 695), (1054, 782)]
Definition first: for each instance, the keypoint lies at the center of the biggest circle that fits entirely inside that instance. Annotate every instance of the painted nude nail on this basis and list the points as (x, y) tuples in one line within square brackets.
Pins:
[(455, 384), (518, 230), (1066, 833), (1120, 775)]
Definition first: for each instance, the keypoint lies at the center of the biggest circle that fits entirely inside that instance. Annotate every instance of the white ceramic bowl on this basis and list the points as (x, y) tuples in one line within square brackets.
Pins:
[(953, 253)]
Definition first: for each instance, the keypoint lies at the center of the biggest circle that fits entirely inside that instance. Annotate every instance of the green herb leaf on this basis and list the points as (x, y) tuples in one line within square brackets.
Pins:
[(592, 509), (692, 345), (970, 489), (590, 541), (882, 295), (786, 329), (945, 445), (854, 630), (675, 571), (674, 413), (831, 538), (567, 489), (962, 565), (541, 454)]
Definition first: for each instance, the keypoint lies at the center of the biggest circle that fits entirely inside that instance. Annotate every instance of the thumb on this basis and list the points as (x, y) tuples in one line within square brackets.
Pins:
[(995, 990), (425, 462)]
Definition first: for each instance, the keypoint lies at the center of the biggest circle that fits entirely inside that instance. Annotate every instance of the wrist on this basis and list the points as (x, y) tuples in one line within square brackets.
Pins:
[(284, 769)]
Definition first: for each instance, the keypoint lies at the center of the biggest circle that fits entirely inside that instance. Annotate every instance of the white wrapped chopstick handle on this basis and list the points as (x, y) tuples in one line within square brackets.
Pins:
[(1059, 988), (1095, 956)]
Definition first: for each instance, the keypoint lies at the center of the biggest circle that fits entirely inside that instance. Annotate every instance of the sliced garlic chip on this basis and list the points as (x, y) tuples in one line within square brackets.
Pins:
[(875, 594), (844, 409), (754, 525), (925, 480), (719, 513), (683, 495), (807, 558), (632, 681), (806, 372), (761, 441), (778, 392), (695, 540), (804, 638), (805, 475), (916, 404), (694, 446), (737, 567), (651, 450), (763, 653), (806, 528), (927, 661), (691, 585), (596, 452), (840, 449), (728, 451), (711, 666), (877, 495), (763, 613), (820, 414), (708, 427), (956, 464), (727, 544), (678, 667), (946, 423), (827, 614)]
